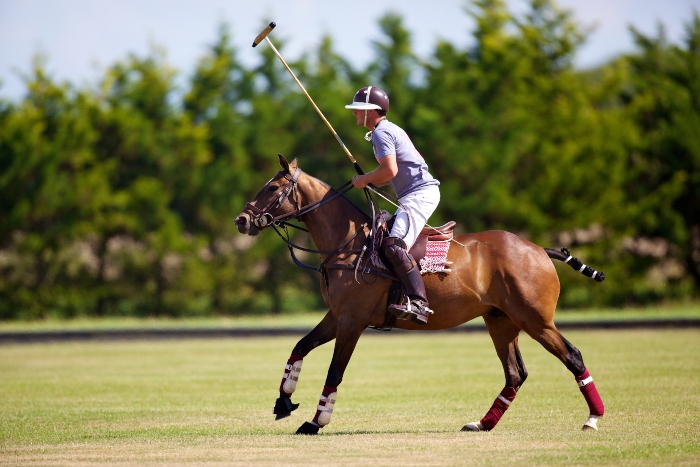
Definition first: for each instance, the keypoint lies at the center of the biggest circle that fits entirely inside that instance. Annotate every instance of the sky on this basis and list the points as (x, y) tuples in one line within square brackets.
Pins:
[(81, 38)]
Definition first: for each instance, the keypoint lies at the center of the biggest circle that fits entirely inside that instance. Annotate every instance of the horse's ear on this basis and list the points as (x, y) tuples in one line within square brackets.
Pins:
[(287, 166), (283, 162)]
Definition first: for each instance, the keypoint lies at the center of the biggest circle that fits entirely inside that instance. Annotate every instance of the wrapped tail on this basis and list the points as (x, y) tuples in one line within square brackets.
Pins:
[(565, 256)]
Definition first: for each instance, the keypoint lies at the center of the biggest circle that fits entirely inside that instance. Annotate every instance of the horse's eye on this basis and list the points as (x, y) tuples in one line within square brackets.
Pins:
[(273, 188)]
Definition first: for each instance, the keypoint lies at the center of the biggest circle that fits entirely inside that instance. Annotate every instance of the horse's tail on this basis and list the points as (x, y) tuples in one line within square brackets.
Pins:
[(575, 263)]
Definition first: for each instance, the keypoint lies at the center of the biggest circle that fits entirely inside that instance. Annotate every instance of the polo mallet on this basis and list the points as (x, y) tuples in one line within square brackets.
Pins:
[(263, 35)]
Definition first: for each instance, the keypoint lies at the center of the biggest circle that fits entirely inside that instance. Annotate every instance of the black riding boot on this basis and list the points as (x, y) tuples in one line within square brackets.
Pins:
[(407, 270)]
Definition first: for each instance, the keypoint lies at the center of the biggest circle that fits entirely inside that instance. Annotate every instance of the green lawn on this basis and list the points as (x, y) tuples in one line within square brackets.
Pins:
[(403, 401)]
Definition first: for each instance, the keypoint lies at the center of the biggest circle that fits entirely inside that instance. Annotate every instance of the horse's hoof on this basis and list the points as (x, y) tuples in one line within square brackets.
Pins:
[(591, 424), (284, 407), (473, 426), (308, 429)]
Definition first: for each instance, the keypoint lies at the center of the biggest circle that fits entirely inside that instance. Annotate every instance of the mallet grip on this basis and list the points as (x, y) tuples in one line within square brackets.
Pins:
[(264, 33)]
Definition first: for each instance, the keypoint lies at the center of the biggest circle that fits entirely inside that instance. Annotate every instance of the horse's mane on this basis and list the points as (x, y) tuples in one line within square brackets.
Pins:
[(332, 190)]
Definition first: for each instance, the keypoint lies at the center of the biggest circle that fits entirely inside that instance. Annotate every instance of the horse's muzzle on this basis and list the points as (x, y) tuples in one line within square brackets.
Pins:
[(245, 226)]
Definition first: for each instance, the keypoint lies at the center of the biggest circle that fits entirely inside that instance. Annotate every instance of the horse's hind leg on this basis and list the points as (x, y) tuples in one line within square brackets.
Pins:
[(322, 333), (552, 340), (504, 334)]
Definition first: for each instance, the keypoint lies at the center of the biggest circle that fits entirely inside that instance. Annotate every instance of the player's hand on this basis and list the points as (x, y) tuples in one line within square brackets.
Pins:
[(359, 182)]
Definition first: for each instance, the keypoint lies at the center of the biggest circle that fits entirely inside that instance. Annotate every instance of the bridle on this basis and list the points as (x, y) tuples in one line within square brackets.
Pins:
[(262, 218), (265, 217)]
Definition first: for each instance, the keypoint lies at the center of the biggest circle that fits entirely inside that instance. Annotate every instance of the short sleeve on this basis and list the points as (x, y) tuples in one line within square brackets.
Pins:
[(383, 143)]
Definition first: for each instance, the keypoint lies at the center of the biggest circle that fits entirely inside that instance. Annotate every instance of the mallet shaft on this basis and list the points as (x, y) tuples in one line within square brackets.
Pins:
[(263, 35), (301, 86)]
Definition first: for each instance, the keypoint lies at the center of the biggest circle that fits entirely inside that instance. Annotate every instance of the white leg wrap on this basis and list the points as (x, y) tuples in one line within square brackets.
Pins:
[(291, 376), (326, 408)]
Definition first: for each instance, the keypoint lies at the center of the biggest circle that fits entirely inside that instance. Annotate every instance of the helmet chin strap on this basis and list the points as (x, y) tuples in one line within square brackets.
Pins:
[(368, 136)]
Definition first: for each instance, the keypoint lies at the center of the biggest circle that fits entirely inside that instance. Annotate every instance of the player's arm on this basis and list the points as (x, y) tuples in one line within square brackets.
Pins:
[(380, 176)]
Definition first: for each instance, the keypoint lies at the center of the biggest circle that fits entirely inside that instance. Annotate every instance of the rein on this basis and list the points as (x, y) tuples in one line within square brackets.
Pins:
[(330, 253)]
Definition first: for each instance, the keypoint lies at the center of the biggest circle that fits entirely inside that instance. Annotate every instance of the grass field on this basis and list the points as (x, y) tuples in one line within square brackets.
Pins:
[(403, 401)]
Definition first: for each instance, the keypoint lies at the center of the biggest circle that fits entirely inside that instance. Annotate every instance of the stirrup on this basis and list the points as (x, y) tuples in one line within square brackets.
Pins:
[(415, 310)]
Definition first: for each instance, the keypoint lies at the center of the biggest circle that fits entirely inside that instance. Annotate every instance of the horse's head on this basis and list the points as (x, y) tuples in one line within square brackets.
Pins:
[(275, 199)]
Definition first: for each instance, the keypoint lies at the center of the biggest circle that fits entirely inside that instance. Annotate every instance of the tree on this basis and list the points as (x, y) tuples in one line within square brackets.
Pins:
[(663, 101), (151, 148), (48, 180)]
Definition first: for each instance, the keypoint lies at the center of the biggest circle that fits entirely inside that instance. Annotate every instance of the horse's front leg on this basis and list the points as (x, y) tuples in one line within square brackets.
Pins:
[(322, 333), (349, 330)]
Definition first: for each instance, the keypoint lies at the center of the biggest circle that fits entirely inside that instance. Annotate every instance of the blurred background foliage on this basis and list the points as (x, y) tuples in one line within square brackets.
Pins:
[(120, 200)]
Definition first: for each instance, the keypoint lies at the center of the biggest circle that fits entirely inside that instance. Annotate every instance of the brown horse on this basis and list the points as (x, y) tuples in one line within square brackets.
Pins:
[(508, 281)]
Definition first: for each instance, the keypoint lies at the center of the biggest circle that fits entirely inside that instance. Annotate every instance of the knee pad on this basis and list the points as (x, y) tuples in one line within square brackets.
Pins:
[(392, 247), (396, 253)]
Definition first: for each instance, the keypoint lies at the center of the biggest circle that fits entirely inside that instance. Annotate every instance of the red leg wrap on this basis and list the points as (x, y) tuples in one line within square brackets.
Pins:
[(325, 406), (287, 373), (590, 393), (498, 408)]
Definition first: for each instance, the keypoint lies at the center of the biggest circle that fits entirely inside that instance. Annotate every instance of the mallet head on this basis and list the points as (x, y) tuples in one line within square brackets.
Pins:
[(264, 33)]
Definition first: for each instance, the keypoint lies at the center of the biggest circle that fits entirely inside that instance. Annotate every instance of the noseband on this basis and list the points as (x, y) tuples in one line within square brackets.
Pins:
[(262, 218)]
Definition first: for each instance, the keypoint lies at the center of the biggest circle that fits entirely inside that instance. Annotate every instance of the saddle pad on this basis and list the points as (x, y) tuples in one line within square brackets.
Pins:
[(435, 259)]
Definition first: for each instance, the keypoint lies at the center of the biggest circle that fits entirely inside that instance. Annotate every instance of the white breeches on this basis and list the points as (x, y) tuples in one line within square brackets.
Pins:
[(414, 211)]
